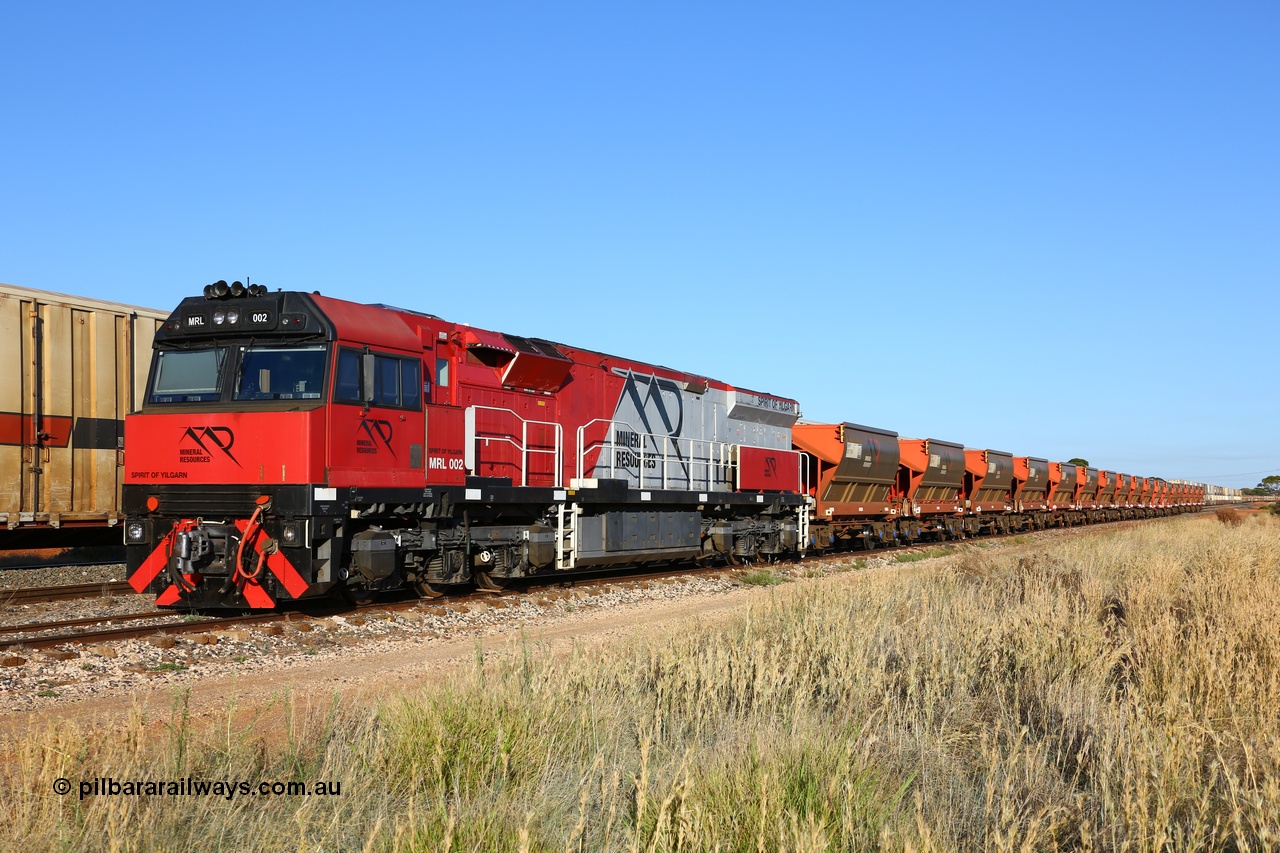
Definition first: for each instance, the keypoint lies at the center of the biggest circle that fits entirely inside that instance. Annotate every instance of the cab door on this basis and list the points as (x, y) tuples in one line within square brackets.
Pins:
[(445, 455), (376, 423)]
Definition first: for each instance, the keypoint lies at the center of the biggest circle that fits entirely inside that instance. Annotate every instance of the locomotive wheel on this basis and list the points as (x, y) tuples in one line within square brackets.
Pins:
[(355, 596), (426, 590), (485, 581)]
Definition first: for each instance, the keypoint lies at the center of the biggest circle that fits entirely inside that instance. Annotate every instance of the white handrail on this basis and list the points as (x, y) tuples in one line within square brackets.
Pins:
[(715, 465), (472, 456), (706, 463)]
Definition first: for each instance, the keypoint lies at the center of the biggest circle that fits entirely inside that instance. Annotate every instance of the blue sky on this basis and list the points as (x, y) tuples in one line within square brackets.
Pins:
[(1052, 230)]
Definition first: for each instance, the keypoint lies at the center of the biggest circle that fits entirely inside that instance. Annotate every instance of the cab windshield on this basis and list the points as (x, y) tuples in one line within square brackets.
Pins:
[(188, 376), (219, 374), (279, 373)]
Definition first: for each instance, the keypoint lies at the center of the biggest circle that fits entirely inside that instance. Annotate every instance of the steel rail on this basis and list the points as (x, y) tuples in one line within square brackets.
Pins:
[(37, 594), (114, 634), (36, 627)]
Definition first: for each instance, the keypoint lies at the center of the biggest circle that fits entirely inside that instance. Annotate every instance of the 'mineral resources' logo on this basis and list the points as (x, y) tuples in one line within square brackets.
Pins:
[(655, 407), (208, 440)]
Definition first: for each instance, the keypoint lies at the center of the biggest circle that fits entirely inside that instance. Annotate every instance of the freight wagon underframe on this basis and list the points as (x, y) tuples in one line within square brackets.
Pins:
[(869, 534)]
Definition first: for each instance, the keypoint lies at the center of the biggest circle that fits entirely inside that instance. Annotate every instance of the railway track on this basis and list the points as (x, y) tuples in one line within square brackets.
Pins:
[(181, 623), (106, 635), (40, 594), (33, 627)]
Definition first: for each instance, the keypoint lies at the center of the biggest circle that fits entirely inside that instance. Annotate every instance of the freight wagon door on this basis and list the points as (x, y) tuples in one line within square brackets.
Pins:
[(18, 453), (32, 430)]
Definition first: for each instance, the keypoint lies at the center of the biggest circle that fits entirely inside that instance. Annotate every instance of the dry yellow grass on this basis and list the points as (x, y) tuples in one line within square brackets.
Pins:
[(1117, 691), (1229, 515)]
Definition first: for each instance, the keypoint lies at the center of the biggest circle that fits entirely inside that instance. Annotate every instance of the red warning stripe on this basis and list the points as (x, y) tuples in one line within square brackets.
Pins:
[(153, 565), (173, 594), (287, 575), (253, 593), (17, 428), (279, 566), (256, 595)]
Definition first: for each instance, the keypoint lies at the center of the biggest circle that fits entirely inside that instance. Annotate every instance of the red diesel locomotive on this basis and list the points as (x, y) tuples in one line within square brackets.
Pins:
[(291, 445)]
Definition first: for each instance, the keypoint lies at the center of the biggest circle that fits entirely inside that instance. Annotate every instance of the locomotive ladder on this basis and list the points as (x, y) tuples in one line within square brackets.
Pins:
[(567, 535), (803, 518)]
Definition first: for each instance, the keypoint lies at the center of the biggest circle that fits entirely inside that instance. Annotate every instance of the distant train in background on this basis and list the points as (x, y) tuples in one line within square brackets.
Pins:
[(1221, 494)]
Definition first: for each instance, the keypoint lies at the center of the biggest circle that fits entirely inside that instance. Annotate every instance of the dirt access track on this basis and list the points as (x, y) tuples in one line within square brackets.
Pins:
[(382, 670)]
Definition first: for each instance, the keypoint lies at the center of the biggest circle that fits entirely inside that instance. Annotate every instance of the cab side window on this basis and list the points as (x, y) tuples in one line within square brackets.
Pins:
[(397, 382), (411, 384), (346, 386), (386, 381)]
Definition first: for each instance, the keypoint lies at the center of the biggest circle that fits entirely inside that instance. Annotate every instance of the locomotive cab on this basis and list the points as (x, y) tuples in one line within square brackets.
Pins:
[(229, 460)]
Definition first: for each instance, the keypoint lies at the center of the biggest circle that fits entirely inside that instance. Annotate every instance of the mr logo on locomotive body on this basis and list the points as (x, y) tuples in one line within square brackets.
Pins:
[(771, 467), (658, 410), (208, 439), (371, 433)]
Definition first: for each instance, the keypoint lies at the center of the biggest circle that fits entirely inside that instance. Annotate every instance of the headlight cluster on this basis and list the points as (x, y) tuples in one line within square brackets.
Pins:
[(135, 531), (235, 290)]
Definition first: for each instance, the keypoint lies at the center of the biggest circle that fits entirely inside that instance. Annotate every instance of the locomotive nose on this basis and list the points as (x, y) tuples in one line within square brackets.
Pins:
[(237, 554), (197, 552)]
